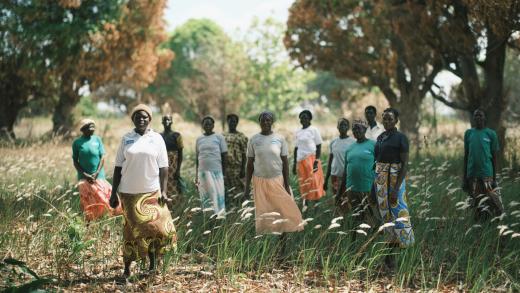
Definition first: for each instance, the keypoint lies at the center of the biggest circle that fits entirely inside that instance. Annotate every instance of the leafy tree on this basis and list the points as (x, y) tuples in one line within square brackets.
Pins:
[(274, 82), (358, 40), (472, 37)]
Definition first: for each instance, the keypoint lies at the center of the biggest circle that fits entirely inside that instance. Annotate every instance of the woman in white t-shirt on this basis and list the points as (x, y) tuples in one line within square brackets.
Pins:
[(338, 147), (210, 158), (268, 168), (140, 179), (307, 159)]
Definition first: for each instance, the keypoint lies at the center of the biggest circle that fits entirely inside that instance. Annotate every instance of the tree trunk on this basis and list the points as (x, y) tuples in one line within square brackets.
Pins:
[(408, 108), (494, 101), (9, 109), (63, 118)]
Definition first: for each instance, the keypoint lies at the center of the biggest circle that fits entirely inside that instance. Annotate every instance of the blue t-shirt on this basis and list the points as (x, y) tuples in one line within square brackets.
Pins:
[(359, 163), (88, 152)]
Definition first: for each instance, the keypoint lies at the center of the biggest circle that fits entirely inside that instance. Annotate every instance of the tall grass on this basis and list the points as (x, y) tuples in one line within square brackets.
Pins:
[(41, 224)]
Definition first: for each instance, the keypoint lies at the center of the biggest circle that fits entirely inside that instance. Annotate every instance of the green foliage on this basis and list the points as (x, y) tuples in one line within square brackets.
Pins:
[(274, 83), (86, 107)]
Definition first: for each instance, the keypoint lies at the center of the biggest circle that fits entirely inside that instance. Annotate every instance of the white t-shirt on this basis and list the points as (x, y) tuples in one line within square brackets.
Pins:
[(338, 147), (373, 133), (210, 149), (141, 157), (267, 151), (306, 141)]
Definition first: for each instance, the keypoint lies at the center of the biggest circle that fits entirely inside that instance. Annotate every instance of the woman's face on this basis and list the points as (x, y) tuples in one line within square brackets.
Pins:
[(208, 125), (359, 131), (389, 120), (266, 124), (479, 118), (88, 129), (141, 120), (305, 120), (343, 127), (167, 121)]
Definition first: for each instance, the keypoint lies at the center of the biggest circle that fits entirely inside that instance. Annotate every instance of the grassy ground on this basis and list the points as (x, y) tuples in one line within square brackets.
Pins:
[(42, 227)]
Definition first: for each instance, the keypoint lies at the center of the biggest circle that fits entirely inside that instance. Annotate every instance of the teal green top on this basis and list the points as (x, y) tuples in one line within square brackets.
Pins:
[(480, 144), (359, 166), (88, 152)]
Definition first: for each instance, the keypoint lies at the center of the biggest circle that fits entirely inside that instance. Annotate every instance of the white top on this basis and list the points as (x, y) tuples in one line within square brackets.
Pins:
[(373, 133), (306, 141), (267, 151), (338, 148), (210, 149), (141, 157)]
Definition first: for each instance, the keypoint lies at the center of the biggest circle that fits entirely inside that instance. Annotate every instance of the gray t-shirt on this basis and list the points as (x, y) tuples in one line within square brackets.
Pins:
[(338, 147), (267, 151), (210, 149)]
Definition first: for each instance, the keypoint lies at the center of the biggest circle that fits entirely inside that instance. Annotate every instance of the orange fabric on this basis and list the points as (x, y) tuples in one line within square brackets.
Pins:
[(311, 184), (275, 209), (94, 199)]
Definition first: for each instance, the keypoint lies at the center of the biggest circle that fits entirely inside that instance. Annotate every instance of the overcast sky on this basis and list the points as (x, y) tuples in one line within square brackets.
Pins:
[(229, 14)]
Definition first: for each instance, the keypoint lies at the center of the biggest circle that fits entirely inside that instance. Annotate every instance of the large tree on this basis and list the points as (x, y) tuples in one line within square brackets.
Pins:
[(471, 36), (274, 83), (207, 74), (358, 40)]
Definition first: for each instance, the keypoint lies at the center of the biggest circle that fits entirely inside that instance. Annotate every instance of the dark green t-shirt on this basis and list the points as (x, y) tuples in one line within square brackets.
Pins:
[(359, 163), (480, 144), (88, 152)]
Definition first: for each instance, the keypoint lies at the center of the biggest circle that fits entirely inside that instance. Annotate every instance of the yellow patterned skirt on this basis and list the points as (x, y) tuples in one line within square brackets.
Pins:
[(148, 226)]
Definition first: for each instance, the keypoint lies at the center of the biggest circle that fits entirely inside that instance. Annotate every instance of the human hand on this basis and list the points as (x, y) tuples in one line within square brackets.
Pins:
[(90, 179), (114, 200), (315, 166), (164, 199), (325, 185), (247, 193)]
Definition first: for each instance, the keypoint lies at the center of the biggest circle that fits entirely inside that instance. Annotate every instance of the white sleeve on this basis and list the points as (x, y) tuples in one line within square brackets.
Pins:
[(250, 149), (223, 144), (317, 136), (285, 148), (162, 158), (120, 155)]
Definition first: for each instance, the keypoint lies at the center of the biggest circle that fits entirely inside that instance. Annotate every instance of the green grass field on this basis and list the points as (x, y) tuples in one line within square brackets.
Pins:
[(42, 227)]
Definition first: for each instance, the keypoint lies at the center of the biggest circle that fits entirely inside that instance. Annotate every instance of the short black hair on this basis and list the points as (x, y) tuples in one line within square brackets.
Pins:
[(305, 112), (370, 107), (393, 111), (229, 116)]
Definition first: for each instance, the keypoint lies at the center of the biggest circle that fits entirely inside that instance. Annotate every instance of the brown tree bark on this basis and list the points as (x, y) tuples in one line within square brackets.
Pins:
[(63, 118)]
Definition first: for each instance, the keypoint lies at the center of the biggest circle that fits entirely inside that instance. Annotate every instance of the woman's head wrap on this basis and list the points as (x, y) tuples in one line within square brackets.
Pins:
[(360, 122), (267, 114), (305, 112), (84, 122), (207, 117), (141, 107)]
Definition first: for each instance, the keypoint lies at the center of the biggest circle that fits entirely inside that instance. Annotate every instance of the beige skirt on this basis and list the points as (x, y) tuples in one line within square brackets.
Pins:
[(275, 209)]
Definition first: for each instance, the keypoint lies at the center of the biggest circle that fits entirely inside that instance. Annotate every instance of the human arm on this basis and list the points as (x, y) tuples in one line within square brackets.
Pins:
[(249, 176), (116, 179), (318, 155), (163, 182), (400, 178), (331, 157), (87, 176), (294, 160), (285, 173), (343, 182), (179, 163), (100, 166), (465, 182)]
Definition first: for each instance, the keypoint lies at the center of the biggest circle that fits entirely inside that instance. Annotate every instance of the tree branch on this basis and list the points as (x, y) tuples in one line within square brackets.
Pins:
[(451, 104)]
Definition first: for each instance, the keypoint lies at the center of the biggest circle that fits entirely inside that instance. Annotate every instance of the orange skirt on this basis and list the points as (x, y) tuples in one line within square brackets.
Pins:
[(311, 183), (94, 199), (275, 209)]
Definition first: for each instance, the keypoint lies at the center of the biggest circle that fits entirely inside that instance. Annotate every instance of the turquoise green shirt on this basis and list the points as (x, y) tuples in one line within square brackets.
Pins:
[(480, 144), (88, 152), (359, 165)]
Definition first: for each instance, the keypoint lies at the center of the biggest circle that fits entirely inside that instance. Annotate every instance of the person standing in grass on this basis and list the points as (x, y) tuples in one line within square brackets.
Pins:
[(88, 157), (391, 152), (374, 129), (336, 165), (211, 159), (480, 168), (307, 159), (268, 170), (174, 147), (141, 181), (236, 167), (358, 176)]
